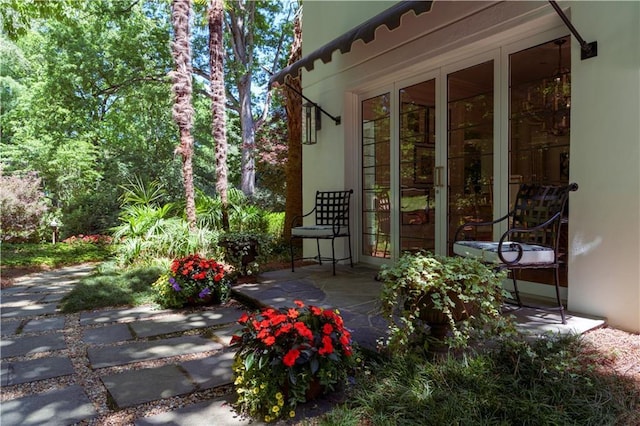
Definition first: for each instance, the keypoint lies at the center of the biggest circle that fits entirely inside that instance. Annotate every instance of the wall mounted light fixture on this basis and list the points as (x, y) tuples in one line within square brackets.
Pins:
[(311, 123)]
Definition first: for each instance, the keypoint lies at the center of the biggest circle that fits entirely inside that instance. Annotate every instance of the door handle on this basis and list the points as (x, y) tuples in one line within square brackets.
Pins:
[(437, 176)]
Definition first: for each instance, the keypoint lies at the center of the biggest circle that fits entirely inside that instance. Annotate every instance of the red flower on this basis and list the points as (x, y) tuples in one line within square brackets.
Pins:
[(235, 339), (303, 330), (327, 328), (299, 303), (269, 341), (315, 310), (244, 318), (327, 346), (291, 357), (292, 313), (277, 319), (284, 328)]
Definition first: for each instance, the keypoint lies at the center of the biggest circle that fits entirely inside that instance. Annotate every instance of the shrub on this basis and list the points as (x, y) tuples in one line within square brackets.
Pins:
[(23, 206)]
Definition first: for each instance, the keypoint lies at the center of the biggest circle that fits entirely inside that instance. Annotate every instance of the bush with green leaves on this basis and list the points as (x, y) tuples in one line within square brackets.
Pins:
[(463, 294)]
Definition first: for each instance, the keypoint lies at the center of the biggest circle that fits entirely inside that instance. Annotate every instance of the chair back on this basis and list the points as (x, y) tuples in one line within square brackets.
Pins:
[(332, 207), (536, 205)]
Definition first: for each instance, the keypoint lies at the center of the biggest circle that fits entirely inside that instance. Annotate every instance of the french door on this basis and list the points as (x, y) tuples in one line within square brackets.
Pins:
[(437, 150)]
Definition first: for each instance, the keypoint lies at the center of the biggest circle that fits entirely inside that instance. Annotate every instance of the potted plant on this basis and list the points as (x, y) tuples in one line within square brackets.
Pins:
[(245, 251), (193, 280), (428, 298), (287, 356)]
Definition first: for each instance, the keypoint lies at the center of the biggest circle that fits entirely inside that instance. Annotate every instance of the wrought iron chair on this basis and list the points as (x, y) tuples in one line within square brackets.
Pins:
[(331, 221), (532, 240)]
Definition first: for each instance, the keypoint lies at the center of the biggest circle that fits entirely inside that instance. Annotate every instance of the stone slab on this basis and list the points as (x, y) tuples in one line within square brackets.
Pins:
[(58, 407), (224, 334), (139, 386), (107, 334), (44, 324), (211, 372), (218, 412), (119, 315), (30, 310), (20, 299), (15, 373), (180, 322), (9, 327), (154, 349), (16, 346)]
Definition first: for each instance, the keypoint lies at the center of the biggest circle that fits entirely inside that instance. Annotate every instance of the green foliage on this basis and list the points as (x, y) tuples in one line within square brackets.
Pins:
[(53, 255), (111, 286), (246, 251), (466, 293), (522, 381)]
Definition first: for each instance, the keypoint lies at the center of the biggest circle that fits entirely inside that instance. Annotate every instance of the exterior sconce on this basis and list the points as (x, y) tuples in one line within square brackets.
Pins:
[(311, 123)]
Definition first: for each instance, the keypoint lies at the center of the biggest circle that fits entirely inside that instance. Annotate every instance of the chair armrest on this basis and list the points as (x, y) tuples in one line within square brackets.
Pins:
[(517, 245), (467, 224), (298, 219)]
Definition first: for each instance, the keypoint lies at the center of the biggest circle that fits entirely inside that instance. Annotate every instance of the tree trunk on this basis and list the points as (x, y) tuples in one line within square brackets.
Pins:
[(293, 205), (218, 103), (182, 108), (248, 137)]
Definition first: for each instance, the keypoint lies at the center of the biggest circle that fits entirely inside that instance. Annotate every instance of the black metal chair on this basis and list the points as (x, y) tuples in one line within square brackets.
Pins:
[(532, 240), (331, 221)]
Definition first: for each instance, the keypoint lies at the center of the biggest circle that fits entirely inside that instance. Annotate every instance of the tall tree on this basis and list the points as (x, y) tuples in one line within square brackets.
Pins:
[(293, 206), (182, 88), (252, 24), (218, 102)]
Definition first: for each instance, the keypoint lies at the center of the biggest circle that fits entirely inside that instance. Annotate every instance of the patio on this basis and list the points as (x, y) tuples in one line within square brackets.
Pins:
[(355, 292)]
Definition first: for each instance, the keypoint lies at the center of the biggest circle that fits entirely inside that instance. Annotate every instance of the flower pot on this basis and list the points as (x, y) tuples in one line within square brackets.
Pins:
[(313, 392), (436, 319)]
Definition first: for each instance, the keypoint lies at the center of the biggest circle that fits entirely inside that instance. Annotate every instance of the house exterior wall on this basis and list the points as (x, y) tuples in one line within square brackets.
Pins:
[(604, 263), (605, 160)]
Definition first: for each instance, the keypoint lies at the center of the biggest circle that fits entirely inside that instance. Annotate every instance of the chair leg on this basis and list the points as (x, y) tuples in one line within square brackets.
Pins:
[(333, 255), (319, 257), (515, 288), (350, 254), (560, 305)]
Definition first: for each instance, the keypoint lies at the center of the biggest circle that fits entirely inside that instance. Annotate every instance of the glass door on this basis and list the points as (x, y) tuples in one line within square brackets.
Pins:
[(417, 155), (470, 142), (376, 176)]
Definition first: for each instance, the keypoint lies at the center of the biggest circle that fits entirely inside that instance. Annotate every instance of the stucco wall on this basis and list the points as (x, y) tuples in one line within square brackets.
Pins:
[(605, 161), (604, 272)]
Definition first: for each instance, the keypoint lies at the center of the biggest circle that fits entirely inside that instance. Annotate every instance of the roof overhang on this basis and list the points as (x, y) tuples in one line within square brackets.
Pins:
[(366, 32)]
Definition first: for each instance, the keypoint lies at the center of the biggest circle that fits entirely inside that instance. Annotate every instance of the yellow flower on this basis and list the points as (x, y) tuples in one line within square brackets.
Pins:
[(275, 409), (238, 380), (262, 386), (292, 414), (279, 396), (267, 419)]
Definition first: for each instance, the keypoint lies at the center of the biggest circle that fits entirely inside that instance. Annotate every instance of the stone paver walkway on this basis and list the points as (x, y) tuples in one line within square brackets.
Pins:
[(35, 336)]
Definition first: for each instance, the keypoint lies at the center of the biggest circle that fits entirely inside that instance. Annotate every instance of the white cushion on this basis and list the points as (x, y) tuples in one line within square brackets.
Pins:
[(487, 251), (318, 231)]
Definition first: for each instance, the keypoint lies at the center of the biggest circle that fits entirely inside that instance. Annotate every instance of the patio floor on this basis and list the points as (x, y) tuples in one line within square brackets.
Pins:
[(355, 292)]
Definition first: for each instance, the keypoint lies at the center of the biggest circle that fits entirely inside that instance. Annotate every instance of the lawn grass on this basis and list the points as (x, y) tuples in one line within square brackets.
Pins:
[(550, 381), (112, 286), (48, 255)]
